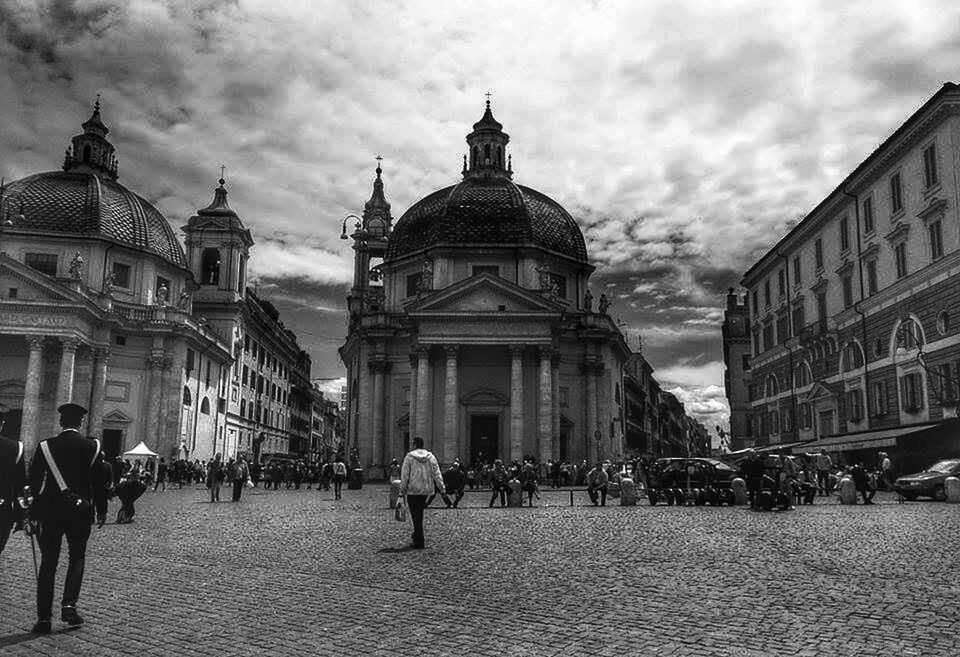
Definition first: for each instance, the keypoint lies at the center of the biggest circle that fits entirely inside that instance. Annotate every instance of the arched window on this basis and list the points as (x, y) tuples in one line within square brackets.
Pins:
[(86, 153), (211, 267), (499, 155), (801, 375), (616, 393), (772, 386), (205, 406), (852, 357), (774, 422), (806, 416), (909, 336), (187, 398), (486, 153)]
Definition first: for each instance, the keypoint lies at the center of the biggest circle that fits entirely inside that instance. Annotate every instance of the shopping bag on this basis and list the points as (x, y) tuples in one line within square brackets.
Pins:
[(400, 513)]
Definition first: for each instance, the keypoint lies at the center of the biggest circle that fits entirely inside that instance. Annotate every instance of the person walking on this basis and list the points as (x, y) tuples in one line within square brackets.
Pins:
[(824, 467), (13, 478), (597, 480), (215, 477), (241, 476), (161, 481), (885, 470), (419, 475), (498, 481), (752, 469), (69, 484), (339, 476)]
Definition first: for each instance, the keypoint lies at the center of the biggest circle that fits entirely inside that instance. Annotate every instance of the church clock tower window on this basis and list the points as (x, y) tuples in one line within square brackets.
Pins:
[(211, 266)]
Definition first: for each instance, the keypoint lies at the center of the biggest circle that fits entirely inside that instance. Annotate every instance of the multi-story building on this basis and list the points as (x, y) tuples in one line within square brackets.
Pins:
[(736, 357), (855, 338), (326, 438)]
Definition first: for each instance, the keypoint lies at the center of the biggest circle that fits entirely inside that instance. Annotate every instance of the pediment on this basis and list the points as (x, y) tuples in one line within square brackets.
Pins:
[(485, 396), (819, 390), (117, 417), (484, 293), (31, 285)]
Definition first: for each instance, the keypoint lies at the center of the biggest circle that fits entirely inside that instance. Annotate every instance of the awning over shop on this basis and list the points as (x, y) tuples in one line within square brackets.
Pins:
[(869, 439), (766, 449)]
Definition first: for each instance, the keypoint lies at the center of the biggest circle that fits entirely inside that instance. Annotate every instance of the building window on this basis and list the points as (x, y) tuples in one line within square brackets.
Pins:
[(781, 284), (911, 393), (120, 340), (774, 422), (772, 387), (879, 395), (855, 405), (943, 322), (486, 269), (896, 193), (947, 388), (413, 285), (868, 214), (756, 304), (872, 277), (796, 270), (205, 406), (936, 239), (783, 328), (806, 416), (756, 343), (745, 362), (787, 420), (210, 268), (766, 292), (900, 257), (190, 358), (45, 263), (768, 335), (243, 408), (121, 275), (908, 335), (187, 398), (846, 284), (822, 308), (852, 357), (818, 252), (930, 177), (798, 320), (844, 234)]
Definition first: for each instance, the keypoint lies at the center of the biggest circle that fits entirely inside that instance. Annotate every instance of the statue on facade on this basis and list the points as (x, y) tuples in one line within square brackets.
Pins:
[(604, 304), (588, 301), (426, 276), (553, 290), (182, 301), (76, 266), (162, 294), (376, 274), (108, 282), (543, 274)]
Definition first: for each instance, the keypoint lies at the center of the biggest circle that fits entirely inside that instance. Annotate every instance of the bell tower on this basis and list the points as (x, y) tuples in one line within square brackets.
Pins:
[(370, 237), (218, 247), (488, 149)]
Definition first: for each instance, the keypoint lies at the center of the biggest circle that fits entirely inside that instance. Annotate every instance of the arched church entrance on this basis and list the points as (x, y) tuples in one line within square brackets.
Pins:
[(484, 438)]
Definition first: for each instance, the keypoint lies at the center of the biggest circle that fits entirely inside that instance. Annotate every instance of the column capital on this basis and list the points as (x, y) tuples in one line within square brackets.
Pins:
[(379, 365), (35, 342), (69, 343), (155, 361), (547, 353), (414, 358), (516, 350), (592, 367), (101, 353), (167, 361), (423, 350), (451, 350)]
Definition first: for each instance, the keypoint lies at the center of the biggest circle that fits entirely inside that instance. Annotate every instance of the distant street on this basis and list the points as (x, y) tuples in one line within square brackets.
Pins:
[(293, 572)]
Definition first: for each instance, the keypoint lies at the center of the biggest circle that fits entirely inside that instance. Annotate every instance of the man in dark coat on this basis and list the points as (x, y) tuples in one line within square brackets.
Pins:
[(65, 508), (752, 469), (13, 477)]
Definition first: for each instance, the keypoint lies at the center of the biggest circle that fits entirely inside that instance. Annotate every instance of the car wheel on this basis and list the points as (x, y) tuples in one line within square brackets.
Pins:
[(910, 497), (680, 497), (668, 496), (939, 494)]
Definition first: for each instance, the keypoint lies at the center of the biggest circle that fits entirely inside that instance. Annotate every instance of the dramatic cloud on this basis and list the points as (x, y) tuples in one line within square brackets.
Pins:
[(685, 136)]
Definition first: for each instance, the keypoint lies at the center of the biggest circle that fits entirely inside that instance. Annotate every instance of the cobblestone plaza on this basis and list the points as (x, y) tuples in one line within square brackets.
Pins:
[(293, 572)]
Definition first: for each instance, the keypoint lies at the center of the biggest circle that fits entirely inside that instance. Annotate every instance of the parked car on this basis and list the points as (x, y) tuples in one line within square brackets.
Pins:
[(930, 482), (691, 480)]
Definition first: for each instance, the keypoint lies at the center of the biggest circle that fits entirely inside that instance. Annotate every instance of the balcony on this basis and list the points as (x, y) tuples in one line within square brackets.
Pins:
[(168, 315)]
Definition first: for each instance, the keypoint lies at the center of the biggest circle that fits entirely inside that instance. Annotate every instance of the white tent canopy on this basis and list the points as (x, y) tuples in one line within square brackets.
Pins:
[(140, 450)]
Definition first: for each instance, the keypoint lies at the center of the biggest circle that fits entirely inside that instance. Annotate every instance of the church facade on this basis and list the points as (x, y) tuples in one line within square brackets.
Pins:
[(472, 324)]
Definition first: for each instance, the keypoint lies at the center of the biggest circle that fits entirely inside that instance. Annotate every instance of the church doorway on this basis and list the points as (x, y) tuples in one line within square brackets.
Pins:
[(484, 438), (112, 442)]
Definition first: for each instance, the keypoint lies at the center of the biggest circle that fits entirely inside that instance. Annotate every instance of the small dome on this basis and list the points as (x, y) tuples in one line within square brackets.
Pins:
[(490, 211), (87, 205)]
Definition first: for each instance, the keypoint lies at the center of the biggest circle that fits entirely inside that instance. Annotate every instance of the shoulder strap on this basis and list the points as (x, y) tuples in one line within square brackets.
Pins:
[(96, 452), (45, 448), (19, 452)]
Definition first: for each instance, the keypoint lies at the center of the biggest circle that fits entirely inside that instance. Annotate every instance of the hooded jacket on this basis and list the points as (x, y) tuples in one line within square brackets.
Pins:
[(420, 473)]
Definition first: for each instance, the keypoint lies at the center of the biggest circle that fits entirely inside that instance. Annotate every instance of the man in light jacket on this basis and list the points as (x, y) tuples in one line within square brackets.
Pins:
[(418, 476)]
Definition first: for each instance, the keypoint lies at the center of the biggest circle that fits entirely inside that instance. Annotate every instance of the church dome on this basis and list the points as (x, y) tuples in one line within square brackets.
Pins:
[(86, 200), (487, 211), (487, 208), (85, 204)]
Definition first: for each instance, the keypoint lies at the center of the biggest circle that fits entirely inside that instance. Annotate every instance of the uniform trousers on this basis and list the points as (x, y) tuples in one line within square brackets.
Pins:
[(6, 526), (50, 538)]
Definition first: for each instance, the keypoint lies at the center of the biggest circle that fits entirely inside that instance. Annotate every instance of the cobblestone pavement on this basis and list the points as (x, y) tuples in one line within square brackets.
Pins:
[(296, 572)]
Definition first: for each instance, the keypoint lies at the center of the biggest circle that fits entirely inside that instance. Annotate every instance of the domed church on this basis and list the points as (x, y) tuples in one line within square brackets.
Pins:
[(472, 324)]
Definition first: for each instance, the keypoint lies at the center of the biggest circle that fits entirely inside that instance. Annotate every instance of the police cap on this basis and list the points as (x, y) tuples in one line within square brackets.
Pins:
[(71, 411)]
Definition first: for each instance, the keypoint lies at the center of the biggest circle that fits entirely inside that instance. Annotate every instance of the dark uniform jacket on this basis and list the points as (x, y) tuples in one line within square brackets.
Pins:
[(13, 475), (81, 464)]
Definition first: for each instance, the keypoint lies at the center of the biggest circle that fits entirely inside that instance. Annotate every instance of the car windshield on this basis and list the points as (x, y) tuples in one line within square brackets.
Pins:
[(946, 467)]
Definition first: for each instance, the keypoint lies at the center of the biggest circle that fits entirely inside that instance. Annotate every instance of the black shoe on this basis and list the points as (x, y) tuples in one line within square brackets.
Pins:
[(417, 546), (70, 616), (41, 627)]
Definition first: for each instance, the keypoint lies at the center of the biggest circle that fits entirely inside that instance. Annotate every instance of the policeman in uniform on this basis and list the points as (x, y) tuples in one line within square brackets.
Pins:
[(68, 513), (13, 477)]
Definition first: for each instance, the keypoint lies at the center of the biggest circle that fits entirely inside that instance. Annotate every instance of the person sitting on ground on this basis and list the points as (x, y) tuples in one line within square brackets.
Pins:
[(597, 480)]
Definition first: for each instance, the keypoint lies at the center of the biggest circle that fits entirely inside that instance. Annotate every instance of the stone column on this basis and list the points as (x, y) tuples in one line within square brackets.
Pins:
[(379, 367), (68, 359), (168, 436), (414, 392), (101, 356), (591, 369), (545, 414), (31, 394), (154, 393), (516, 402), (555, 410), (424, 379), (450, 405)]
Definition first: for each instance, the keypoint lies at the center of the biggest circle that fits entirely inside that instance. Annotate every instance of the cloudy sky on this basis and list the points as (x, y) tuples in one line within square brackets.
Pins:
[(684, 136)]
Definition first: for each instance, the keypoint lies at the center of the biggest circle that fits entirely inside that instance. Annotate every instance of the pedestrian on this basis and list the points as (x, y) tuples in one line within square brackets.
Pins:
[(13, 475), (394, 471), (498, 481), (598, 481), (241, 477), (419, 475), (528, 483), (339, 476), (861, 480), (68, 480), (885, 468), (454, 481), (824, 467), (215, 477), (161, 481), (752, 469), (128, 491)]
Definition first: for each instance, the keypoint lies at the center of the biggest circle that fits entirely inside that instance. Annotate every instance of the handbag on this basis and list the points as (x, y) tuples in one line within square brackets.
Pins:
[(68, 498), (400, 512)]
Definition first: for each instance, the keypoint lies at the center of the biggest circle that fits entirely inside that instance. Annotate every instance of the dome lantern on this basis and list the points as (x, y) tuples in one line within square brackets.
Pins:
[(91, 151), (377, 220), (488, 148)]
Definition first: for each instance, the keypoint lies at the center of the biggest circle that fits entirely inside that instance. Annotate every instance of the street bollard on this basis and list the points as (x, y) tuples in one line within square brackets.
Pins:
[(515, 496), (739, 487), (628, 492), (394, 493), (848, 491), (952, 488)]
